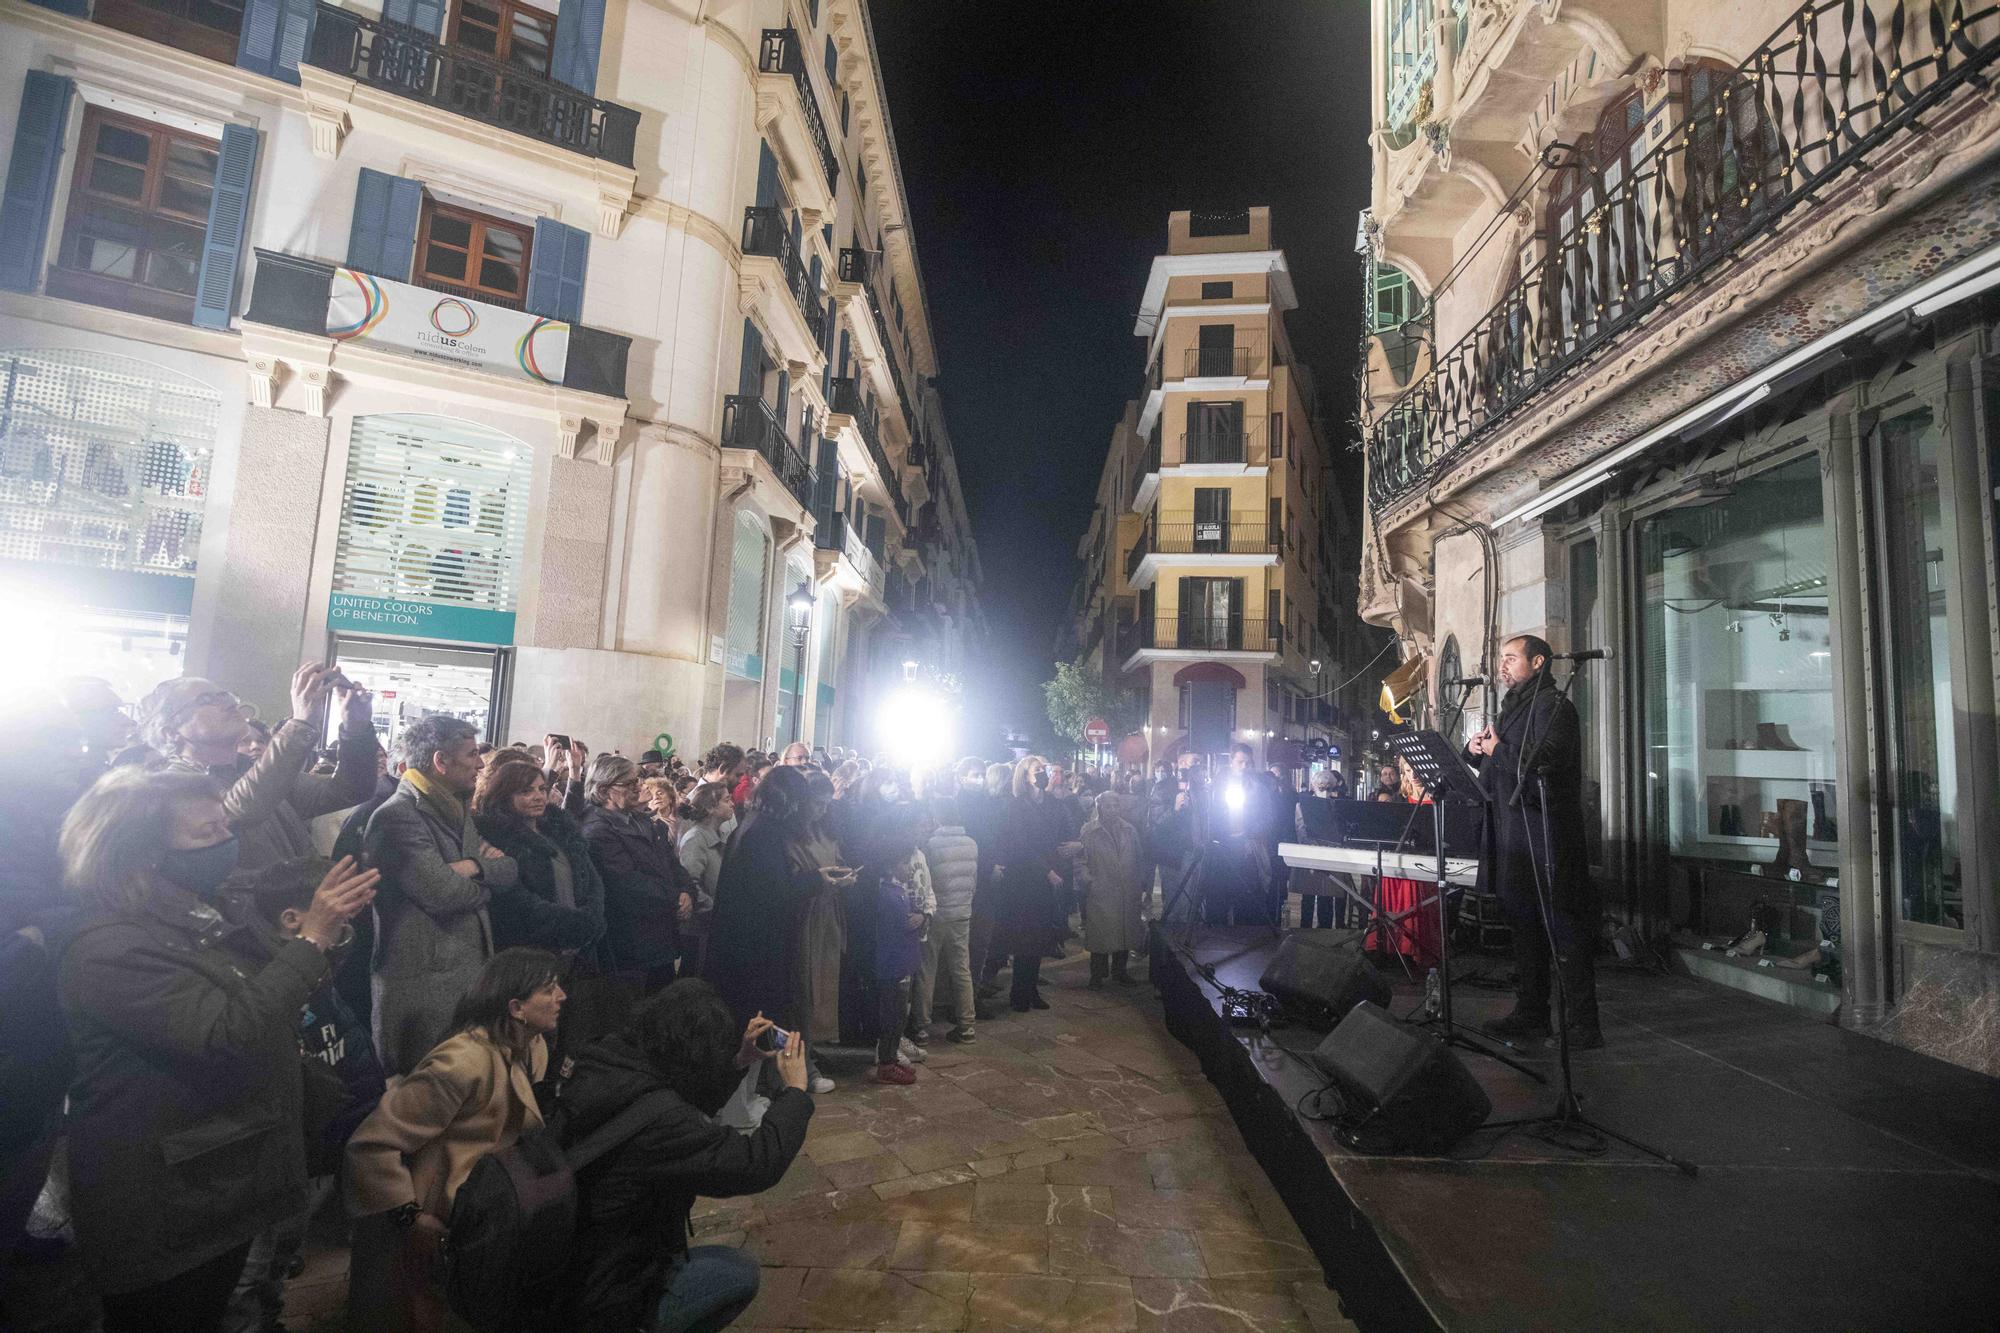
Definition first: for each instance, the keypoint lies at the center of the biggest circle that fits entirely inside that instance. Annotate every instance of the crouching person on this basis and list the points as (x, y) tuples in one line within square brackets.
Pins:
[(472, 1094), (631, 1266)]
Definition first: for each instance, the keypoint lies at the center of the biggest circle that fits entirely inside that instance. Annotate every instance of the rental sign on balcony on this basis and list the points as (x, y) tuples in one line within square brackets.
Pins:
[(378, 312)]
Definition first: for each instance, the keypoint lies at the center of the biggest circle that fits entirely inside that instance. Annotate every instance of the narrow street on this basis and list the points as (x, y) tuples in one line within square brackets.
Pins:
[(1073, 1169)]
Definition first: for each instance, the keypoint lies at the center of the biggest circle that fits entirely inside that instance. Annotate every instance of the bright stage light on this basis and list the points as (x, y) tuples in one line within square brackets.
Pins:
[(35, 628), (1232, 795), (916, 726)]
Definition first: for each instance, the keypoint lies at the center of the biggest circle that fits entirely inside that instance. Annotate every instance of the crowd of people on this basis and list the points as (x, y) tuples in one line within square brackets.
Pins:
[(246, 971)]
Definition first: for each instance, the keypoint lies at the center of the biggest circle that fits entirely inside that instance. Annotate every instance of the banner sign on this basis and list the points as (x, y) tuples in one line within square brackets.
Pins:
[(381, 313), (418, 620)]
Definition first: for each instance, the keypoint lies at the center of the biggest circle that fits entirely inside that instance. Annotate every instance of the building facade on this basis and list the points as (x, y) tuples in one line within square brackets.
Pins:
[(564, 367), (1679, 349), (1217, 568)]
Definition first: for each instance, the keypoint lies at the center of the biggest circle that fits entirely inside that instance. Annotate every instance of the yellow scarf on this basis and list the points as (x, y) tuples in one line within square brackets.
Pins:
[(447, 803)]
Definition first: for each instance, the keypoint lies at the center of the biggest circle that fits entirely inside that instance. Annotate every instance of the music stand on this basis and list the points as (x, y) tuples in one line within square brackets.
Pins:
[(1448, 780)]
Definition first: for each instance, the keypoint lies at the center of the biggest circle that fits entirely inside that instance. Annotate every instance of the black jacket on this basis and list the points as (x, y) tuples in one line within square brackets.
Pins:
[(1530, 713), (529, 913), (753, 935), (633, 1202), (643, 884)]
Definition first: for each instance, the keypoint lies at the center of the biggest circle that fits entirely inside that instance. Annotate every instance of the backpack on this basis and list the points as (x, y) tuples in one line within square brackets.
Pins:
[(507, 1244)]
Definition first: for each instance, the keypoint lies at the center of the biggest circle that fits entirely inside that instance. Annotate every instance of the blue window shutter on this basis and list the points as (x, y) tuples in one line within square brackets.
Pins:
[(275, 33), (425, 16), (228, 213), (812, 12), (555, 271), (843, 113), (826, 480), (783, 406), (843, 353), (579, 38), (750, 379), (832, 65), (767, 175), (31, 179), (383, 238)]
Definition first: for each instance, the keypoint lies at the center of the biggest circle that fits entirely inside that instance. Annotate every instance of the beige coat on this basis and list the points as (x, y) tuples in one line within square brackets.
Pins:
[(466, 1098), (1112, 881)]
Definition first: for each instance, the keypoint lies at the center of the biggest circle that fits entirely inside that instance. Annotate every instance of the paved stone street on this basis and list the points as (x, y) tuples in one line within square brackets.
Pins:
[(1071, 1170)]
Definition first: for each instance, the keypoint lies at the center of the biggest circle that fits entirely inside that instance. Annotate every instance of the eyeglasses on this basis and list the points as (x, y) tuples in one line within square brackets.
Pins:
[(627, 784)]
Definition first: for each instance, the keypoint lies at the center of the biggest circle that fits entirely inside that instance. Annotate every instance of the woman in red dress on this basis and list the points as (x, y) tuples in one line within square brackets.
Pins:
[(1415, 936)]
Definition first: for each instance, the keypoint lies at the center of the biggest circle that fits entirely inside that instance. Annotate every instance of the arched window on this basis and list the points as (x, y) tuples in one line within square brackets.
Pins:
[(1735, 163), (1410, 55)]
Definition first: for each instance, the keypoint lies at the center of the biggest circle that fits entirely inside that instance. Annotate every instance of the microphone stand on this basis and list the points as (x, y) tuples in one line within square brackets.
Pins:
[(1567, 1119)]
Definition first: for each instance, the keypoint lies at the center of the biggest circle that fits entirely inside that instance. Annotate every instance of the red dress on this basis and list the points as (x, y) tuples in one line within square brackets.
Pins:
[(1415, 936)]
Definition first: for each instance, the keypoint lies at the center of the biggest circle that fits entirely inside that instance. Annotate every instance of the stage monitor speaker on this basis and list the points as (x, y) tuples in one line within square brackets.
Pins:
[(1318, 980), (1404, 1090)]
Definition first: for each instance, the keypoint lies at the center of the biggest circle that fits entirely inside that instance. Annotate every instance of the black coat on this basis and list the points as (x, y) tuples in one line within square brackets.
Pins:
[(753, 936), (1026, 917), (643, 884), (529, 913), (1514, 830), (633, 1202)]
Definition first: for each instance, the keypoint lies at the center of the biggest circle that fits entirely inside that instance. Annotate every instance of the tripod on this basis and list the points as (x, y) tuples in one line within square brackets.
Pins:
[(1567, 1125), (1446, 778)]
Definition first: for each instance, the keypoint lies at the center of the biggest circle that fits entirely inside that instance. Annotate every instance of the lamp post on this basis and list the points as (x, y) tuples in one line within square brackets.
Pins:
[(799, 607)]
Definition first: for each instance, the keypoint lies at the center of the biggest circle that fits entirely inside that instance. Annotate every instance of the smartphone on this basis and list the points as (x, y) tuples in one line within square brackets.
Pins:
[(773, 1039), (560, 742)]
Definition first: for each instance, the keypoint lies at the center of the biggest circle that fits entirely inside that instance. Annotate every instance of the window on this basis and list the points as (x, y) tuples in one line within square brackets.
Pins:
[(1218, 291), (206, 27), (138, 214), (470, 254), (1593, 253), (1277, 435), (1277, 524), (843, 114), (514, 34)]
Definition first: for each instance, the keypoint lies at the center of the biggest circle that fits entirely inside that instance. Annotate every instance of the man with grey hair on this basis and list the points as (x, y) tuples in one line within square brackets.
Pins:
[(432, 934), (647, 892)]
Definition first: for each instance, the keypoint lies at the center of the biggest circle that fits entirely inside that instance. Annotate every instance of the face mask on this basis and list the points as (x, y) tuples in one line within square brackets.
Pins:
[(199, 870), (1042, 779), (728, 826)]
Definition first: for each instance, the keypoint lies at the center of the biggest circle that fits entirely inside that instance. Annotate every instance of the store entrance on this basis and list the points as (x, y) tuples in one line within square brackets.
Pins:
[(415, 680)]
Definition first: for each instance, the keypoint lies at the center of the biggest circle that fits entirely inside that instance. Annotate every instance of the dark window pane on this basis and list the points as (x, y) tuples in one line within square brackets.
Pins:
[(127, 145), (189, 197), (451, 230), (117, 179), (499, 276), (531, 41), (503, 245), (442, 263)]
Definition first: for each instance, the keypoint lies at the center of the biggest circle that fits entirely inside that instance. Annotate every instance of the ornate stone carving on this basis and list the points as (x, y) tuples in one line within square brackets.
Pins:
[(263, 374), (318, 384)]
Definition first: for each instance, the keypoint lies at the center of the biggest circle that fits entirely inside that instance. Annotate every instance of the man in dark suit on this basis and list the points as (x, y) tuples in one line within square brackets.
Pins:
[(1536, 746)]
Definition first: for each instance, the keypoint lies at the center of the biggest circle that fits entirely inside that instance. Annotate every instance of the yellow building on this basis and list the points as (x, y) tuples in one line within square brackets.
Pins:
[(1213, 561)]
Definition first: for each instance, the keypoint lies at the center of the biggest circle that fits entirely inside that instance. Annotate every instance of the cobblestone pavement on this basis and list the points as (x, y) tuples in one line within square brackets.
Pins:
[(1073, 1169)]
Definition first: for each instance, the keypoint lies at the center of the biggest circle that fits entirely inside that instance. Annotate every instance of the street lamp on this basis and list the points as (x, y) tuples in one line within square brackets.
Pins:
[(800, 608)]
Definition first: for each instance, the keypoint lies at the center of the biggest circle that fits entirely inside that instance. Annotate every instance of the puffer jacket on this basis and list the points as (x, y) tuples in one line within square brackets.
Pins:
[(185, 1114), (954, 861), (633, 1202)]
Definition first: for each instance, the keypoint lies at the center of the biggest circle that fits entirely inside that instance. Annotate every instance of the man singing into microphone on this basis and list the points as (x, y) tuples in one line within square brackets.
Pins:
[(1537, 740)]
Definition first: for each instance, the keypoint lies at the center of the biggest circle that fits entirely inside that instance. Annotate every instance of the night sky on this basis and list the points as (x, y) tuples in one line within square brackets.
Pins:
[(1042, 146)]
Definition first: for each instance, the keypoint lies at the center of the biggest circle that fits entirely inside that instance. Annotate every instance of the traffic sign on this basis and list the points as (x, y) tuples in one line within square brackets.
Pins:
[(1097, 731)]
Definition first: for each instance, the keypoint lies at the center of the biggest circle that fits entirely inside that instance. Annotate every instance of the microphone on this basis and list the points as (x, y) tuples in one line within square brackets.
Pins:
[(1587, 655), (1464, 682)]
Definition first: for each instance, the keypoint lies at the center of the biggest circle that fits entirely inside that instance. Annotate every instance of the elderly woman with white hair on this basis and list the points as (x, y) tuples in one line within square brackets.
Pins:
[(197, 726), (185, 1114), (1113, 882)]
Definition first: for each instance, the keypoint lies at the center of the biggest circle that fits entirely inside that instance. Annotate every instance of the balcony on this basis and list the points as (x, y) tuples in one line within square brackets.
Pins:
[(1215, 448), (1729, 174), (415, 65), (1223, 363), (1193, 637), (839, 541), (1180, 539), (288, 292), (767, 234), (781, 53), (750, 424), (844, 399)]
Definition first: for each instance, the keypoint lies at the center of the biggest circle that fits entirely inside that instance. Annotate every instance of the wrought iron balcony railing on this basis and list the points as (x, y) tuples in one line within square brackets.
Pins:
[(844, 398), (857, 266), (1236, 534), (1213, 634), (415, 65), (781, 53), (835, 533), (1137, 555), (749, 423), (1216, 446), (1837, 84), (1221, 362), (767, 232)]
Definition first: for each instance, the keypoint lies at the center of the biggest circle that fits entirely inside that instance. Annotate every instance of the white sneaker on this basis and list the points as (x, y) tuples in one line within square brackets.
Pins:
[(909, 1053), (820, 1084)]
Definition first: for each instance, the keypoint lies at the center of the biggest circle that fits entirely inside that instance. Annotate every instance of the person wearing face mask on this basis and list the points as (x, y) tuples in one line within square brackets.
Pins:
[(197, 726), (473, 1093), (186, 1131), (648, 896), (432, 931)]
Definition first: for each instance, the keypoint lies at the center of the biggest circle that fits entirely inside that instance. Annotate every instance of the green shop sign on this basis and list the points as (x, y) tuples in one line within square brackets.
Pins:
[(418, 620)]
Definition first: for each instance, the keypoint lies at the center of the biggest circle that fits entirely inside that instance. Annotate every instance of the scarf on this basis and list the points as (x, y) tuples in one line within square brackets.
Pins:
[(448, 804)]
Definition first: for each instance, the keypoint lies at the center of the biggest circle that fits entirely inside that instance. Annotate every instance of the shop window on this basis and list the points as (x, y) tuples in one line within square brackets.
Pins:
[(1586, 630), (1738, 771), (435, 512), (206, 27), (138, 215), (514, 34), (474, 255)]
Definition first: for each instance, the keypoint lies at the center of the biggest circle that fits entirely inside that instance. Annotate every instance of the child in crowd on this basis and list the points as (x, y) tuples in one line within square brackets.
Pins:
[(904, 904)]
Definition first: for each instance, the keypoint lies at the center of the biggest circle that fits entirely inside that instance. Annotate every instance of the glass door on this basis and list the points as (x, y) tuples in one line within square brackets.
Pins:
[(1211, 519)]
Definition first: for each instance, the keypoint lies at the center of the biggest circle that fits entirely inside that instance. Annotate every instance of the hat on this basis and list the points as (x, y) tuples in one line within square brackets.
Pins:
[(652, 757)]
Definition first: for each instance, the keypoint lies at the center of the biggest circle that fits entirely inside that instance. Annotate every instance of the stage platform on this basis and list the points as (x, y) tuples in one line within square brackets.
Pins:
[(1844, 1183)]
